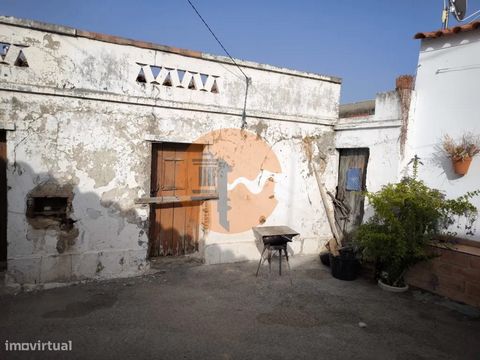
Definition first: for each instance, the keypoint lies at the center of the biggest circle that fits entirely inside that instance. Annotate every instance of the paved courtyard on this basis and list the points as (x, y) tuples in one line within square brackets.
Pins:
[(190, 311)]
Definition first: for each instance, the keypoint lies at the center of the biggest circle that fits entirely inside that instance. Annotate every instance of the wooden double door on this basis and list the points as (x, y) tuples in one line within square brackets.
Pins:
[(174, 228)]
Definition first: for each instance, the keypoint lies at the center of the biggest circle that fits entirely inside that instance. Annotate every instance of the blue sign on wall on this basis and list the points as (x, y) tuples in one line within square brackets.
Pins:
[(354, 180)]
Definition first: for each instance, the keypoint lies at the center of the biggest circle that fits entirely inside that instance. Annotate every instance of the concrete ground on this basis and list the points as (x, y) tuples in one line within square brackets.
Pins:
[(191, 311)]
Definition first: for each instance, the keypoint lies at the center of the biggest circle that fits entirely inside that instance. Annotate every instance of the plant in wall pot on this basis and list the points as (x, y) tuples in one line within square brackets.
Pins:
[(408, 216), (462, 151)]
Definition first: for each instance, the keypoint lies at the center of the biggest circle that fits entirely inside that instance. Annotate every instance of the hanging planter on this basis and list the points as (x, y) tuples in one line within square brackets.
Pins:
[(460, 166), (461, 152)]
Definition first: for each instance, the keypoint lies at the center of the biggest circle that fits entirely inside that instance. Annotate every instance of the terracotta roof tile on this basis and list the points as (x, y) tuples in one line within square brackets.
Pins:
[(450, 31)]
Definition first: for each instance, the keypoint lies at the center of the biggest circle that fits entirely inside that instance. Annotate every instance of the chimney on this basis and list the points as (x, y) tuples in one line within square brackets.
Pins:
[(404, 82)]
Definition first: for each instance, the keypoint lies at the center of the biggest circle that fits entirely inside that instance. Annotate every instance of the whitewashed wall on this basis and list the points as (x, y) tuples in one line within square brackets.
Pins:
[(380, 134), (447, 102), (78, 119)]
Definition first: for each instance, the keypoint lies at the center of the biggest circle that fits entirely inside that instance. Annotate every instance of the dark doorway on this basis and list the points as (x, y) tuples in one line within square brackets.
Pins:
[(3, 198), (352, 174), (174, 226)]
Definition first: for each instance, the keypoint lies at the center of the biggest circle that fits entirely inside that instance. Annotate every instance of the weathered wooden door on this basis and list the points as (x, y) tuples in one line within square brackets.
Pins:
[(175, 172), (3, 197), (352, 173)]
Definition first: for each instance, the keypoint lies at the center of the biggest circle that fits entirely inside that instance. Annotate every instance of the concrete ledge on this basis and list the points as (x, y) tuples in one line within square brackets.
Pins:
[(366, 123), (93, 95)]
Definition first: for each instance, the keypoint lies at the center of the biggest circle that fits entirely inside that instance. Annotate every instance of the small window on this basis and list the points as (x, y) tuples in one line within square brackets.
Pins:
[(4, 49), (21, 60), (48, 206), (141, 77)]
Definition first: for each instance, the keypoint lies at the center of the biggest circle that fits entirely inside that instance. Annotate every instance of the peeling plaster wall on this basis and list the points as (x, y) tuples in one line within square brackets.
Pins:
[(380, 134), (446, 103), (82, 121)]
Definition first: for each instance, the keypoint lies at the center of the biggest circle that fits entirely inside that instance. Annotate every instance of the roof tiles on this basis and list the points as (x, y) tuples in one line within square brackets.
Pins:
[(446, 32)]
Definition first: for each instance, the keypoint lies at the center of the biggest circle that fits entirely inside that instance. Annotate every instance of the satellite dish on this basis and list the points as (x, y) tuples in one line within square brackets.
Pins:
[(458, 8)]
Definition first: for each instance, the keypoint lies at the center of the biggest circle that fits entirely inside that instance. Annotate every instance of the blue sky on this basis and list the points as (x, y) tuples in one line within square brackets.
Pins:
[(366, 43)]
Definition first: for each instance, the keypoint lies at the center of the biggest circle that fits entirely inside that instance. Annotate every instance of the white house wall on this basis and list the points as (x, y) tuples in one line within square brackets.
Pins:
[(446, 104), (80, 124)]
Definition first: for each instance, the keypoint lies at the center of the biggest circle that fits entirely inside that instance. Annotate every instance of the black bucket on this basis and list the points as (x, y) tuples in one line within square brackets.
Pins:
[(345, 266), (325, 258)]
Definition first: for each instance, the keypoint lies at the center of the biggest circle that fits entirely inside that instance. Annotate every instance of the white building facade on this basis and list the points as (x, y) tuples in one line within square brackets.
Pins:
[(82, 114), (446, 103)]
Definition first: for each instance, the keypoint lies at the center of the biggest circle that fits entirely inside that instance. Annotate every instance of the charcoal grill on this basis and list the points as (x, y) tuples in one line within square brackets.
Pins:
[(274, 238)]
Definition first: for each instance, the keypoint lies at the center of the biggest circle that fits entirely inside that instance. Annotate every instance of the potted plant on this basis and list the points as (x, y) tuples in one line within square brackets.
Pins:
[(461, 152), (408, 216)]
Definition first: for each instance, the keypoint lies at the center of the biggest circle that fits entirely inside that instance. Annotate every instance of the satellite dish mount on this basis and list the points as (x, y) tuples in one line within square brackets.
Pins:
[(456, 7)]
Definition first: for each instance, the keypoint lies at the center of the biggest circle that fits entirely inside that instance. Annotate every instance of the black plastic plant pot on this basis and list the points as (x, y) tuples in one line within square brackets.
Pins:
[(344, 267), (325, 258), (347, 252)]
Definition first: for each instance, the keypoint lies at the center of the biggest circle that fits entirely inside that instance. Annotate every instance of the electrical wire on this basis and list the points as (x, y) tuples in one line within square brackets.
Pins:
[(469, 16), (475, 18), (216, 38), (247, 79), (465, 18)]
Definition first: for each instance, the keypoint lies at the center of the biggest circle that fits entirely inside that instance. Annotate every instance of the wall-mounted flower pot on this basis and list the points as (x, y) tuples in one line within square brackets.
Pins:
[(460, 166)]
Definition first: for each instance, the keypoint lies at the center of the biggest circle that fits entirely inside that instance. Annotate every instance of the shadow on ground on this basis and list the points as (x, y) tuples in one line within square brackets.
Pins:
[(191, 311)]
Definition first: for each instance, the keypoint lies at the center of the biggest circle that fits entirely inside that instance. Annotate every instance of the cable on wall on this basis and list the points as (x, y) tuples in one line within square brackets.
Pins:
[(247, 79)]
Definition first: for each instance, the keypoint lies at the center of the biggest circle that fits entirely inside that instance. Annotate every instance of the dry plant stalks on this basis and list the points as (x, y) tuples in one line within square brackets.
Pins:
[(467, 146)]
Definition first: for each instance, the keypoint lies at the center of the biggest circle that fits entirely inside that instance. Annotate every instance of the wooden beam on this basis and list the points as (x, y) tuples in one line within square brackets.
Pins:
[(175, 199), (330, 214)]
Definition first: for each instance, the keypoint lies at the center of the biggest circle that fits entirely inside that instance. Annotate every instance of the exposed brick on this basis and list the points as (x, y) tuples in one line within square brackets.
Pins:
[(473, 290), (475, 262), (460, 297), (454, 257), (420, 283), (421, 277), (424, 266), (451, 294), (472, 301), (450, 284), (463, 272), (455, 275)]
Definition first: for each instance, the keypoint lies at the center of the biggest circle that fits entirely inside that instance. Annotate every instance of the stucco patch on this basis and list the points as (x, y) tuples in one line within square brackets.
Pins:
[(49, 43), (99, 165)]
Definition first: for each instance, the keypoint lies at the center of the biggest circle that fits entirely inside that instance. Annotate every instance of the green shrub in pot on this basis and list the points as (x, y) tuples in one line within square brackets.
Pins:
[(408, 216)]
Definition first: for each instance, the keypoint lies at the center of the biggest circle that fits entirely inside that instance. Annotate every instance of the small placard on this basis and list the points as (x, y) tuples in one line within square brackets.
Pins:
[(354, 181)]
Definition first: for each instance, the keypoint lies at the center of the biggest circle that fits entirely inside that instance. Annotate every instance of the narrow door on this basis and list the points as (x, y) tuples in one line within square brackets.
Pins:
[(175, 173), (352, 173), (3, 198)]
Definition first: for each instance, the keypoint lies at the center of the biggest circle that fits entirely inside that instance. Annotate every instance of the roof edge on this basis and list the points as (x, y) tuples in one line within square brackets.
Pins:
[(69, 31), (357, 109), (447, 32)]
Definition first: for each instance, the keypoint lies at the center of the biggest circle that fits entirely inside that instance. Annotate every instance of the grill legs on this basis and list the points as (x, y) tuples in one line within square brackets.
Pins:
[(261, 258), (270, 250)]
